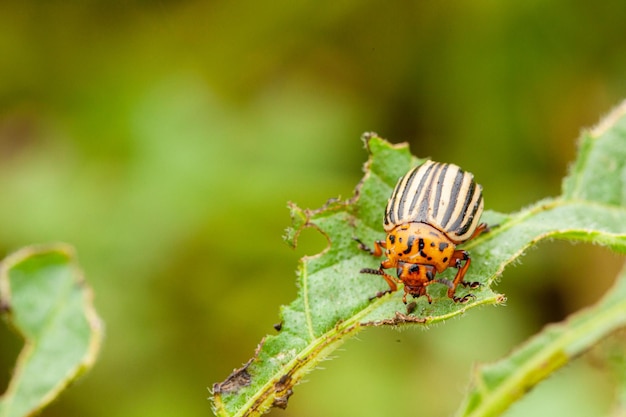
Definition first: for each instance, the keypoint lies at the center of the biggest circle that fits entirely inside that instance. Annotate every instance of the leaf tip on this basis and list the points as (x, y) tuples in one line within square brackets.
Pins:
[(374, 142), (367, 137), (609, 121), (298, 221)]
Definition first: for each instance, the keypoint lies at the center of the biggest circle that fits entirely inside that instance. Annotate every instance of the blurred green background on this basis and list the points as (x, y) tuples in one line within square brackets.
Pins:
[(163, 139)]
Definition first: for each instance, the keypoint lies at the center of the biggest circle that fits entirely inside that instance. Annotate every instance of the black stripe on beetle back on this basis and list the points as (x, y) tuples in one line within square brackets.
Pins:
[(403, 191), (387, 212), (391, 214), (454, 195), (422, 211), (470, 220), (468, 199), (440, 181), (409, 186)]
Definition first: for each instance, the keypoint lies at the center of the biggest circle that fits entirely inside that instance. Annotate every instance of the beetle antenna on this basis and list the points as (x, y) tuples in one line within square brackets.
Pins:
[(371, 271), (445, 282)]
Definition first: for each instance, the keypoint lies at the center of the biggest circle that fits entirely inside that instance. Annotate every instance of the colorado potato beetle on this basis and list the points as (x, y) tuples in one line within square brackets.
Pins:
[(433, 207)]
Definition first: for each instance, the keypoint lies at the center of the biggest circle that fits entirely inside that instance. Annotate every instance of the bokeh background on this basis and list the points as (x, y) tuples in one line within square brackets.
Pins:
[(163, 139)]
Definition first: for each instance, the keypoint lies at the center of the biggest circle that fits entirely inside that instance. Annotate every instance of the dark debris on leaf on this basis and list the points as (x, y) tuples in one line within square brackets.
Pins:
[(282, 391), (238, 379)]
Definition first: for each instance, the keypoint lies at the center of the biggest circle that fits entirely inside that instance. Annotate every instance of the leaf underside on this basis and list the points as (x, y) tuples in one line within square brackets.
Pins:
[(333, 302), (44, 297), (496, 386)]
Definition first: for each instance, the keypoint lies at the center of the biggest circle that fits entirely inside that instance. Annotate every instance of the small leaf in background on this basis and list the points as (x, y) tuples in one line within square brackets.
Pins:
[(45, 299)]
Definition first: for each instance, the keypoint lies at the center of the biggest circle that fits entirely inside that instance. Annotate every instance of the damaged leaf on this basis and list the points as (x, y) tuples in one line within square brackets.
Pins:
[(334, 300)]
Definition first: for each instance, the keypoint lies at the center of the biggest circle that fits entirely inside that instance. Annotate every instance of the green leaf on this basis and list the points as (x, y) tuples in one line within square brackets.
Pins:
[(497, 386), (599, 173), (334, 299), (44, 297)]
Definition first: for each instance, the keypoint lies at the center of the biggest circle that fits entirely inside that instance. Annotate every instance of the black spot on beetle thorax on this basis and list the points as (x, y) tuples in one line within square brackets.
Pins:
[(409, 245)]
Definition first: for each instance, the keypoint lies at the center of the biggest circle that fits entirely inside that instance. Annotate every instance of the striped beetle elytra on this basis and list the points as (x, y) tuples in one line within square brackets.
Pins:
[(433, 208)]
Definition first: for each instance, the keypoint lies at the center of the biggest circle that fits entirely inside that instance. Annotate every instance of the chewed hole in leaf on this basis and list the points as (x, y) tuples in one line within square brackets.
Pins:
[(310, 242), (11, 346)]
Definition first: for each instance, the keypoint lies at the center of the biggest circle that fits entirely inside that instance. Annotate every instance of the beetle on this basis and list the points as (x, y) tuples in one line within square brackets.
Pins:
[(433, 208)]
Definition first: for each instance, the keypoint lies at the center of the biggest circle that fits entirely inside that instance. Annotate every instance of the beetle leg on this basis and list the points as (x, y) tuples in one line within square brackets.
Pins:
[(480, 229), (379, 245), (456, 261), (463, 299)]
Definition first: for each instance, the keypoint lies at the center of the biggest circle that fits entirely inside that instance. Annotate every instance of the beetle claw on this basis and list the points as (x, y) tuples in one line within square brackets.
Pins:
[(380, 294), (472, 285), (464, 299), (363, 246)]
